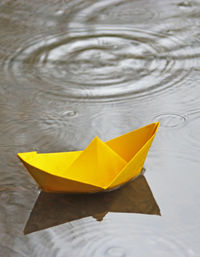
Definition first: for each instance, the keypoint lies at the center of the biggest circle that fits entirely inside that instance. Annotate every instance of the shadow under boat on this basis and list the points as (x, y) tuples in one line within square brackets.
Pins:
[(53, 209)]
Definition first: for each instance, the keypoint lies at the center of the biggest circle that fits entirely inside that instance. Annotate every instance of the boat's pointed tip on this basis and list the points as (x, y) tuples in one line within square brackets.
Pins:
[(25, 154), (157, 124)]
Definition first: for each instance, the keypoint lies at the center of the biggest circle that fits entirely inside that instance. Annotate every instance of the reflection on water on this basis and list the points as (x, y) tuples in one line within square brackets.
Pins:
[(73, 70), (55, 209)]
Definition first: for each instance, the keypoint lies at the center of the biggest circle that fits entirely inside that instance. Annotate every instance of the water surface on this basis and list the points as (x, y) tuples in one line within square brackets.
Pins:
[(73, 70)]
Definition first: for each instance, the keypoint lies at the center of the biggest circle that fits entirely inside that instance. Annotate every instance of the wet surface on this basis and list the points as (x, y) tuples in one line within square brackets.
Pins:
[(54, 209), (73, 70)]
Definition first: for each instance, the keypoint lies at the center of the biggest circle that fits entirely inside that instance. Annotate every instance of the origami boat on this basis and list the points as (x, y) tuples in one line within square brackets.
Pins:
[(101, 166)]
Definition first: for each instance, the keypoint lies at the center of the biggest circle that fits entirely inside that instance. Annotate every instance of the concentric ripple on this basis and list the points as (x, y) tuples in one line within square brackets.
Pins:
[(133, 244), (123, 12), (170, 120), (192, 136), (106, 63), (121, 238)]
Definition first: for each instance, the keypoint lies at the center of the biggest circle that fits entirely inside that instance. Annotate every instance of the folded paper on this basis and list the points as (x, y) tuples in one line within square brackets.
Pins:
[(101, 166)]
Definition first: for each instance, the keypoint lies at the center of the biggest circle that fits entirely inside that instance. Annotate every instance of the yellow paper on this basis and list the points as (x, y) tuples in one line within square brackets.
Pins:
[(101, 166)]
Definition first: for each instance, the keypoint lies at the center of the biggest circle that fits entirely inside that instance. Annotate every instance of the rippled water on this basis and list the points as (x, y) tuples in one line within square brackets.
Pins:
[(73, 70)]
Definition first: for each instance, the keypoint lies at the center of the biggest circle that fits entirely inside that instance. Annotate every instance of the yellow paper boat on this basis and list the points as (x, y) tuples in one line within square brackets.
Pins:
[(101, 166)]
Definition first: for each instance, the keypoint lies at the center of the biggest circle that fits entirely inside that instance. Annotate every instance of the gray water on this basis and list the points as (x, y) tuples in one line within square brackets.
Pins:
[(73, 70)]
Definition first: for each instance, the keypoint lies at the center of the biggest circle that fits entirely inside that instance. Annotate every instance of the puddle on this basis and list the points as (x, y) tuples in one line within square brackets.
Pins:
[(73, 70), (135, 197)]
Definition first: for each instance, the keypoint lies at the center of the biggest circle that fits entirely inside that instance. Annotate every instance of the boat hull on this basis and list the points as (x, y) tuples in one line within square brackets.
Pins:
[(126, 153)]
